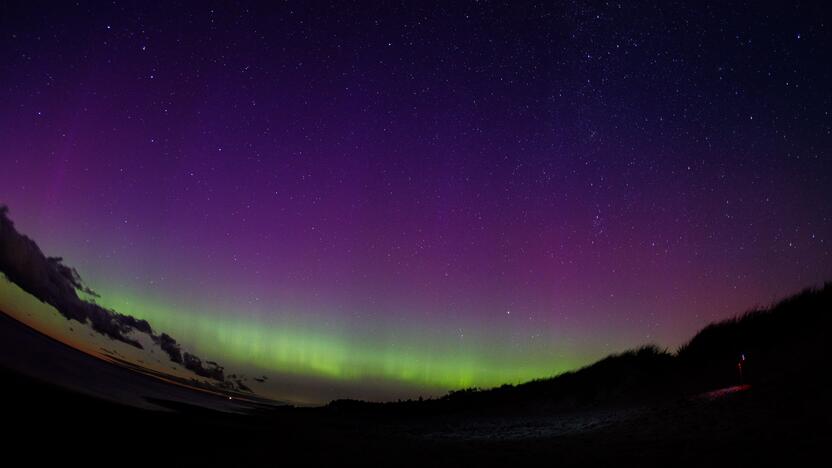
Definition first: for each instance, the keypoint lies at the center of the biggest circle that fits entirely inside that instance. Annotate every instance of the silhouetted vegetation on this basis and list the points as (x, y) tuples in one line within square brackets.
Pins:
[(628, 409), (787, 341), (784, 342)]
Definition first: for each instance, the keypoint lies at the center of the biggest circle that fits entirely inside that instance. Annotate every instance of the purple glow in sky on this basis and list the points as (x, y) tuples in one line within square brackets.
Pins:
[(471, 187)]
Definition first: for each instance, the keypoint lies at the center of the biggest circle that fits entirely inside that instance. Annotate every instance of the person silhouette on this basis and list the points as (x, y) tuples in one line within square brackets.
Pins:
[(740, 364)]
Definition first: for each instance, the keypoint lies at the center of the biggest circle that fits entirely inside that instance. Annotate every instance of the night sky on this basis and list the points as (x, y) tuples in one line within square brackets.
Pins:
[(389, 201)]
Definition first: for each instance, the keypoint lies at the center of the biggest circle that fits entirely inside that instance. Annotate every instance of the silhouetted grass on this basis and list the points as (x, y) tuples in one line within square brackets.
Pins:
[(784, 344), (786, 341)]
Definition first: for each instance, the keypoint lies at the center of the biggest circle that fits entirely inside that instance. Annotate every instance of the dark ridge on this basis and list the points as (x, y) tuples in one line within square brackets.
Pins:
[(787, 341)]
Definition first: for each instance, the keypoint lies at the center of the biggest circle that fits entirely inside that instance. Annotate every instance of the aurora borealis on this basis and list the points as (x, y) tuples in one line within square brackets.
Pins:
[(387, 202)]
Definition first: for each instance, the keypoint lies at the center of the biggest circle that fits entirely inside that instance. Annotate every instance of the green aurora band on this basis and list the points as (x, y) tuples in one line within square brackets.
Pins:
[(424, 363), (290, 348)]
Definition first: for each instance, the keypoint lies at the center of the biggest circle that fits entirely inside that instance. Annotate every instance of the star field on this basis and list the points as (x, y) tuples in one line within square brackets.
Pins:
[(414, 198)]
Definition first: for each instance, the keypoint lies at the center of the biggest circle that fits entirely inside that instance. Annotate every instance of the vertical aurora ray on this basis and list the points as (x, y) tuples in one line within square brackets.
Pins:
[(396, 205), (426, 359)]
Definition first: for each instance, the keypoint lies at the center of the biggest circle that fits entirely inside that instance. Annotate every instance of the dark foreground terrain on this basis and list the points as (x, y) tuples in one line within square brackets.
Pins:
[(642, 408)]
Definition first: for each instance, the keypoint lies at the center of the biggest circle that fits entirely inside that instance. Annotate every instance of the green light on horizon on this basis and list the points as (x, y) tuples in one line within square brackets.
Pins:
[(290, 348), (419, 361)]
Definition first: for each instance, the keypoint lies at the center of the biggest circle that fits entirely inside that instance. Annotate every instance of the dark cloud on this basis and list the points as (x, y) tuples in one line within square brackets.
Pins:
[(210, 369), (56, 284), (169, 346)]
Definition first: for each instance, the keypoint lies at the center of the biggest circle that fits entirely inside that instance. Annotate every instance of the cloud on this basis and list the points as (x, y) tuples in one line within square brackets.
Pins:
[(210, 369), (56, 284)]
